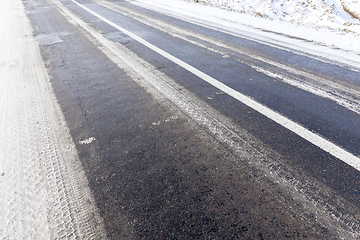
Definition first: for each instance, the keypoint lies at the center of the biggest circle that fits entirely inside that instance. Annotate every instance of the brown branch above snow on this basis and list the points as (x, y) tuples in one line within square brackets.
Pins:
[(346, 8)]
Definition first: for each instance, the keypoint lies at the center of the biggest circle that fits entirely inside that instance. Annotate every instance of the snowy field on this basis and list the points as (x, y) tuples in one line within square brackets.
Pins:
[(340, 15)]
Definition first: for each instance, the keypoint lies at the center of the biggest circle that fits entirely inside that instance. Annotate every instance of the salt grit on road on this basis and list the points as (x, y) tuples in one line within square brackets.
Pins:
[(43, 191)]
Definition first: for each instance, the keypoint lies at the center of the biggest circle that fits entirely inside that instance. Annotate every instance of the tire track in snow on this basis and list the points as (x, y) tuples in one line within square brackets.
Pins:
[(44, 193)]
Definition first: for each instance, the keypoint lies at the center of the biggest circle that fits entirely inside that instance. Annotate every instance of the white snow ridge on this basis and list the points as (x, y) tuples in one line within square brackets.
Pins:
[(44, 193)]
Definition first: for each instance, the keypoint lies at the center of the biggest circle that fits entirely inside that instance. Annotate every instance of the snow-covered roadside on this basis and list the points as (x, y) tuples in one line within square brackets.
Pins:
[(335, 44), (44, 193), (339, 15)]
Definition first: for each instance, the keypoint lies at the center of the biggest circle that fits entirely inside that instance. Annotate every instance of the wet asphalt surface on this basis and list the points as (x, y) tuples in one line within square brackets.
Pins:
[(154, 173)]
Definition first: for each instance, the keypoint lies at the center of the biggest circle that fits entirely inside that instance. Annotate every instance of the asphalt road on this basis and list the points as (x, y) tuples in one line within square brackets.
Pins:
[(170, 153)]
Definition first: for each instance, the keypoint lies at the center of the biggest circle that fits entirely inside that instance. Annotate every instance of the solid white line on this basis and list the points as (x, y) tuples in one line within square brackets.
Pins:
[(313, 138), (340, 94)]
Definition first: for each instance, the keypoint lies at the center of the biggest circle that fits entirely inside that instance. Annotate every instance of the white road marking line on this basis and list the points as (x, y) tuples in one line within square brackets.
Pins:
[(340, 94), (314, 51), (301, 131), (239, 142)]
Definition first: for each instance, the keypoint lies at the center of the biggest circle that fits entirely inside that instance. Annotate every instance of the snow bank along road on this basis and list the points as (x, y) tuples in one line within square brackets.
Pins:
[(44, 193), (182, 129)]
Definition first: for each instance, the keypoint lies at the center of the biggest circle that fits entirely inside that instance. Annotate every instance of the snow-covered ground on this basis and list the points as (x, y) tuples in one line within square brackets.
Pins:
[(341, 15), (44, 193), (319, 27)]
